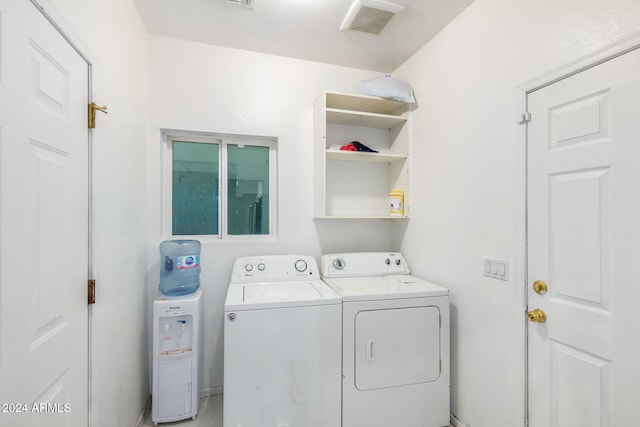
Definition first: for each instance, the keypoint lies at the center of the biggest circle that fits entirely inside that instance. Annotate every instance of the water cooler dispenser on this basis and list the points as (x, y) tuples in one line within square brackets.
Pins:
[(176, 348), (176, 333)]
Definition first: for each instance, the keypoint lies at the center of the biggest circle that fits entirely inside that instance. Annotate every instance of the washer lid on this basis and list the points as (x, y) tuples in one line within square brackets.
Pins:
[(384, 287), (279, 295)]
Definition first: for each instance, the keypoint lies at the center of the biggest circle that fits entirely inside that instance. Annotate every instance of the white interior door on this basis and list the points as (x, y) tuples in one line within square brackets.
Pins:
[(43, 223), (583, 242)]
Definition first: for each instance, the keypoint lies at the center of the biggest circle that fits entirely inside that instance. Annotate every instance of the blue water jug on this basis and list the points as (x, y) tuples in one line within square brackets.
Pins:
[(179, 267)]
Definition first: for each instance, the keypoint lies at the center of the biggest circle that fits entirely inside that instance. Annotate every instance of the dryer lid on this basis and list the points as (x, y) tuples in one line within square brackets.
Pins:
[(384, 287)]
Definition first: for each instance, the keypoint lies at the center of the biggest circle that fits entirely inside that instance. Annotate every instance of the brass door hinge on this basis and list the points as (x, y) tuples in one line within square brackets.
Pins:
[(91, 291), (92, 108)]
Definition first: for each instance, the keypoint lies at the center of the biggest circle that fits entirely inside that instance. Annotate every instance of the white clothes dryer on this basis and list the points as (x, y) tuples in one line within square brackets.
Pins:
[(395, 342), (282, 345)]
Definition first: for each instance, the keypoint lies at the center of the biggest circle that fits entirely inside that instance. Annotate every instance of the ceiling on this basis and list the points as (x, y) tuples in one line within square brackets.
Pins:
[(303, 29)]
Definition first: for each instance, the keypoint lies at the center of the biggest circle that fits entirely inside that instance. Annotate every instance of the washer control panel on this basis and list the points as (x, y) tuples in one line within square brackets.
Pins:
[(274, 268), (301, 265), (362, 264)]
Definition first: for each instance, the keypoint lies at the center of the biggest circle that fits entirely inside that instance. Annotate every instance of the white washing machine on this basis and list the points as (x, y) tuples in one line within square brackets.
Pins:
[(395, 363), (282, 345)]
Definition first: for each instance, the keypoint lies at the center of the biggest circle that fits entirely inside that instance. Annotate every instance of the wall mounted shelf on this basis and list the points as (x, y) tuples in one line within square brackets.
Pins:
[(356, 185)]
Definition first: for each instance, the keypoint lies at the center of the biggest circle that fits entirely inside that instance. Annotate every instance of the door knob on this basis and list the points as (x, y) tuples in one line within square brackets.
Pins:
[(540, 287), (537, 315)]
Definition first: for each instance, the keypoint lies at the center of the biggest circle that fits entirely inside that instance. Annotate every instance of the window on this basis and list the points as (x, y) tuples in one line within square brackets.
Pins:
[(221, 186)]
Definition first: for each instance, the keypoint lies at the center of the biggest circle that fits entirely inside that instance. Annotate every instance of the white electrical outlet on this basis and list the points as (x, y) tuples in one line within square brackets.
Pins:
[(496, 268)]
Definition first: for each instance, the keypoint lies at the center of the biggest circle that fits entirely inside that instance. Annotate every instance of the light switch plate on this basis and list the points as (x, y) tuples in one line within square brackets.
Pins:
[(496, 268)]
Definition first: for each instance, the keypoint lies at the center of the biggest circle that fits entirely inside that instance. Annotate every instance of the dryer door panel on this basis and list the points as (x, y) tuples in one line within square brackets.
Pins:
[(395, 347)]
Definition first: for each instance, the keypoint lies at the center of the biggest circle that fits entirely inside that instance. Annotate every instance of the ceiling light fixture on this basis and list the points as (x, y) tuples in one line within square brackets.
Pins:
[(370, 16)]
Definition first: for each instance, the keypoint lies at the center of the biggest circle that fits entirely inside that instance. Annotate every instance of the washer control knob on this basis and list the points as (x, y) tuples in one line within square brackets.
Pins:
[(248, 267), (261, 266), (397, 262), (301, 265), (338, 263), (387, 261)]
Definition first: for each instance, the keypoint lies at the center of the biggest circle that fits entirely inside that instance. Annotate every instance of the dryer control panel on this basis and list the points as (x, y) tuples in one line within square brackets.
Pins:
[(363, 264)]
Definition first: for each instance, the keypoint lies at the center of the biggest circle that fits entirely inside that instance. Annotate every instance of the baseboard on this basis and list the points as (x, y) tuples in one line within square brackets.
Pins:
[(456, 422), (146, 411), (210, 391)]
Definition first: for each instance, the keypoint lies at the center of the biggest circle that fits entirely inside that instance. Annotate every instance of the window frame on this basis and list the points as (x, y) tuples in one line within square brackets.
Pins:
[(223, 140)]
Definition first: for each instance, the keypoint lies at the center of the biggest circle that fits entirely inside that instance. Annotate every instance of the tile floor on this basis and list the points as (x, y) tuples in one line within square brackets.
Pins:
[(209, 414)]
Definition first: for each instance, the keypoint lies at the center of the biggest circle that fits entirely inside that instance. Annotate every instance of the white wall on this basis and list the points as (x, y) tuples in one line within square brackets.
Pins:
[(111, 34), (207, 88), (467, 193), (468, 188)]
